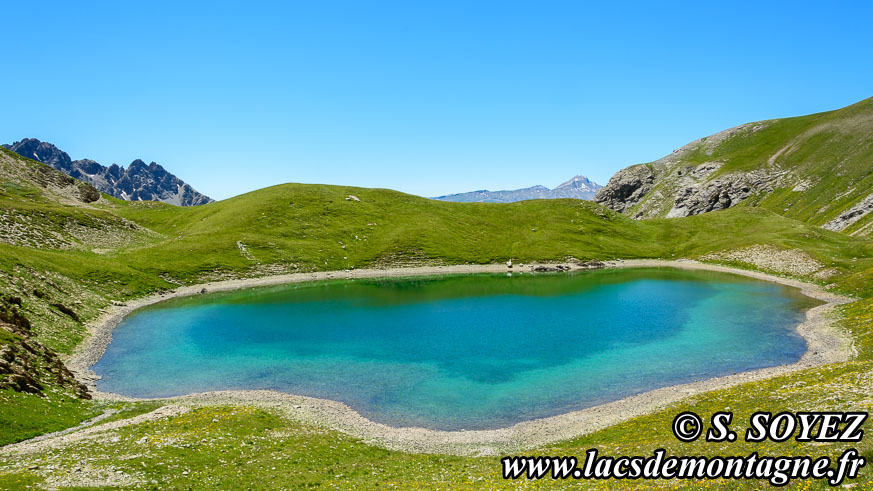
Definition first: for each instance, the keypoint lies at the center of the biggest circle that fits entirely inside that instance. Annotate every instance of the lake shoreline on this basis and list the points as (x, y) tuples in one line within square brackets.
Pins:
[(825, 344)]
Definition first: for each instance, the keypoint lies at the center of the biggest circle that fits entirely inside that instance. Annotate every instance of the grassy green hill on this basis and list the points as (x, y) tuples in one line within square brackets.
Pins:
[(65, 255), (811, 168), (114, 250)]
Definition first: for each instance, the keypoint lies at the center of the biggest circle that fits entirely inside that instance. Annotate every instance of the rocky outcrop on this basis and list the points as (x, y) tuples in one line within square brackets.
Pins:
[(673, 186), (138, 182), (579, 187), (852, 215), (696, 195), (25, 364), (813, 168), (627, 187), (672, 191), (28, 366)]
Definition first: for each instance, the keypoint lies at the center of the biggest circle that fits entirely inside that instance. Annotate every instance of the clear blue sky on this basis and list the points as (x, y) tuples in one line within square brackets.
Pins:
[(427, 97)]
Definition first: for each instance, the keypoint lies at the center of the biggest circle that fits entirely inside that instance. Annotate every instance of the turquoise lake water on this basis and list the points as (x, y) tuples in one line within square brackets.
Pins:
[(460, 352)]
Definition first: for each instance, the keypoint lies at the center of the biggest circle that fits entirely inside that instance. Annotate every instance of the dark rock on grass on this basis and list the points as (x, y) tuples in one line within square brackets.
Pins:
[(10, 314), (66, 310), (21, 383), (594, 264), (550, 269), (88, 193)]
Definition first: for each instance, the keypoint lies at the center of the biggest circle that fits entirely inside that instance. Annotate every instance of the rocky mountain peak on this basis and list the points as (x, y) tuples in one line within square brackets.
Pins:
[(580, 182), (579, 187), (42, 152), (138, 182)]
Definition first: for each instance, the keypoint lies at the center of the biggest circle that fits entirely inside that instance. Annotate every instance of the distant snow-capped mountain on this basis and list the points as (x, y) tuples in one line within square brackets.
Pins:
[(138, 182), (580, 187)]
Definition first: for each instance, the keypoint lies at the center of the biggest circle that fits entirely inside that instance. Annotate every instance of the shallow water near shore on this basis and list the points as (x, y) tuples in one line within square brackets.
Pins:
[(461, 352)]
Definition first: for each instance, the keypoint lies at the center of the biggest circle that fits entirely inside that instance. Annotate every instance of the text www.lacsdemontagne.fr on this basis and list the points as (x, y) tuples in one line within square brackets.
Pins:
[(777, 470)]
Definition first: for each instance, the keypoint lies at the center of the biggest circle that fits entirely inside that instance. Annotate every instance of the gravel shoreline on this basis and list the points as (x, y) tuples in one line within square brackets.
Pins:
[(825, 344)]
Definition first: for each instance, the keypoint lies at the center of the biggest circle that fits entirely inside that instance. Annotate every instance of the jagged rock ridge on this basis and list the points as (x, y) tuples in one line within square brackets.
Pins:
[(580, 187), (138, 182)]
